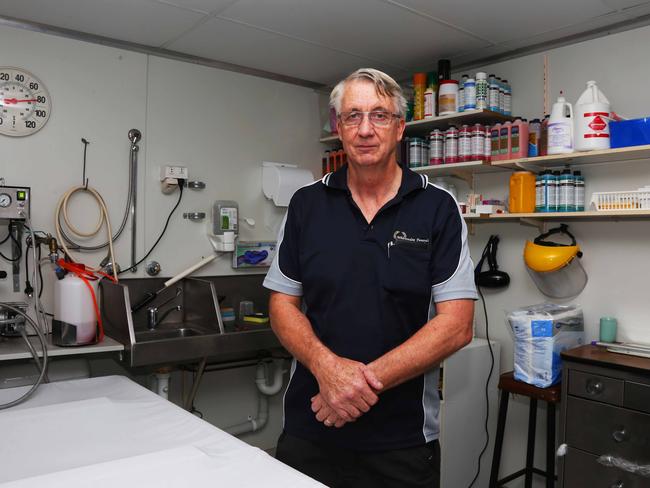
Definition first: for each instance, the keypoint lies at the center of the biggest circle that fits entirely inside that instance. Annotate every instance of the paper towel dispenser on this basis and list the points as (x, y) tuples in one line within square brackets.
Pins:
[(280, 181)]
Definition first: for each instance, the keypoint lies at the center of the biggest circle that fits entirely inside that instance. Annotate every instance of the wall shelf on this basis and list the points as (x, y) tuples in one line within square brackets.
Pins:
[(540, 220), (423, 127), (463, 170), (632, 153)]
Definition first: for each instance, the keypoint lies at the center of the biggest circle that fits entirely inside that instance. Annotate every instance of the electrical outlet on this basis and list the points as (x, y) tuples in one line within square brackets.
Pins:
[(178, 172)]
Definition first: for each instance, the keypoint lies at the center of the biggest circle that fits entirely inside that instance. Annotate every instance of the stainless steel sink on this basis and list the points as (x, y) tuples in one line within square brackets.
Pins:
[(191, 334), (166, 334)]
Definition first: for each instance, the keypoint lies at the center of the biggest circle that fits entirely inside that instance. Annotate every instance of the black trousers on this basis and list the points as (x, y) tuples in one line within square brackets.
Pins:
[(415, 467)]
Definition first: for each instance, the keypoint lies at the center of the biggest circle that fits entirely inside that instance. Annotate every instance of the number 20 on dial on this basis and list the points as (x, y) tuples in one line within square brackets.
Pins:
[(25, 103)]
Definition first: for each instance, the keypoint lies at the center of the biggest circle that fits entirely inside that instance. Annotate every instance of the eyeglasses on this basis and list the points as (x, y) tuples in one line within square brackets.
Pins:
[(378, 118)]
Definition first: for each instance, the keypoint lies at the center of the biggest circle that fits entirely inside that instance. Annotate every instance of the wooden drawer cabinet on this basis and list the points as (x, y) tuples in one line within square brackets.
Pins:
[(605, 411)]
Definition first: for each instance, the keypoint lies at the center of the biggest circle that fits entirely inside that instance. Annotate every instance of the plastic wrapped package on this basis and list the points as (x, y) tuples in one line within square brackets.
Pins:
[(541, 332)]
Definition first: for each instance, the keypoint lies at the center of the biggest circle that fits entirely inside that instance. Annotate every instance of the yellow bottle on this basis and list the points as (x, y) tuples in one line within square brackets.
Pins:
[(522, 192)]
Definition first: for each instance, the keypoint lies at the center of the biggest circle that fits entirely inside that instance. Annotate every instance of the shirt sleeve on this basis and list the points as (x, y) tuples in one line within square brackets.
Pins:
[(452, 268), (284, 274)]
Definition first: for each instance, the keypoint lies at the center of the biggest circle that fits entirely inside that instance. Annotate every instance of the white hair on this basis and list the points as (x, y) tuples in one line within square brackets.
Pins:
[(384, 86)]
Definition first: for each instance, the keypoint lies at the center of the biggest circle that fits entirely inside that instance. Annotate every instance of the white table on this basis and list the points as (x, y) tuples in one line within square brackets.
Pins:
[(109, 431)]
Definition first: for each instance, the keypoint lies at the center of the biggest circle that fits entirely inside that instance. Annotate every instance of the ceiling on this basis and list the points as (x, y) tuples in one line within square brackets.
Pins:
[(316, 42)]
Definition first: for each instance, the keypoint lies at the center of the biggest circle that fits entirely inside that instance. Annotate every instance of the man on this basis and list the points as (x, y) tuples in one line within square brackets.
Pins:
[(372, 286)]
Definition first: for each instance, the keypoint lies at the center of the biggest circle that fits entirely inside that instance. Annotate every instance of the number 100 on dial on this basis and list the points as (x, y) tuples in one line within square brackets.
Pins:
[(25, 103)]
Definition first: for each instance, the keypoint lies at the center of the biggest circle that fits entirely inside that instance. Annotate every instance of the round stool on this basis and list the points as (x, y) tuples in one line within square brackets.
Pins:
[(550, 395)]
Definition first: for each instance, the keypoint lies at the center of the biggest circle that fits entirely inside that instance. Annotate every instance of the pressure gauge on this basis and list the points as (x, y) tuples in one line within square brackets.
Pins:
[(5, 200), (25, 103)]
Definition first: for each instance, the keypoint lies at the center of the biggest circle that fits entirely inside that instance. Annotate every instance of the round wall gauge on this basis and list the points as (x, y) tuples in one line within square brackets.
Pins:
[(25, 103)]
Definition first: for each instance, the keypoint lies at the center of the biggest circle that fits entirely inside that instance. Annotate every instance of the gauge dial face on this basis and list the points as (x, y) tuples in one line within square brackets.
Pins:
[(25, 103), (5, 200)]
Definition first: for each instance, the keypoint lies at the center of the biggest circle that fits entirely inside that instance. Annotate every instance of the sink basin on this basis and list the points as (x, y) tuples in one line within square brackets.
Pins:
[(165, 334)]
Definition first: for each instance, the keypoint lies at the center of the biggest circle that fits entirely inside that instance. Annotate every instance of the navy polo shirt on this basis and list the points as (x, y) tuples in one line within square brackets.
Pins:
[(366, 288)]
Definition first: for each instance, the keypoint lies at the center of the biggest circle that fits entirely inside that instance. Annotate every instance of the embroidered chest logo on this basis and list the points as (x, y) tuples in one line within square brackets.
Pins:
[(402, 238)]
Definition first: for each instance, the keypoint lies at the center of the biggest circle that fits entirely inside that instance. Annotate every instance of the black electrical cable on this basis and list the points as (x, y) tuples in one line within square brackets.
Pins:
[(20, 249), (180, 197), (40, 273), (487, 389)]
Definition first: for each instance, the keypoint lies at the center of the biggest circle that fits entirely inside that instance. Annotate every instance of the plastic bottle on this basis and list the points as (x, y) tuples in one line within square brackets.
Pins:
[(451, 145), (73, 306), (560, 128), (566, 185), (419, 86), (556, 184), (461, 93), (487, 150), (464, 144), (504, 140), (444, 70), (547, 203), (447, 97), (481, 91), (493, 94), (579, 195), (431, 95), (543, 139), (592, 114), (495, 142), (507, 98), (470, 94), (522, 192), (502, 96), (436, 147), (478, 142), (539, 193), (519, 139), (534, 136)]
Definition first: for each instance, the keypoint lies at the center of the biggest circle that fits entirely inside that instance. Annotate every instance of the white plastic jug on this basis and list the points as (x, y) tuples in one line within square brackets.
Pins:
[(592, 120), (75, 320), (560, 128)]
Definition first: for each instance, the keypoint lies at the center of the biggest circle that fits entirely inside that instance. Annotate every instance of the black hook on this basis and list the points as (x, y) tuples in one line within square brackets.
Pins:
[(84, 180)]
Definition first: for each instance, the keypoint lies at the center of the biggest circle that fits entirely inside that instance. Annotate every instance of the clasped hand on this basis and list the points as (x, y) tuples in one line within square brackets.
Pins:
[(347, 390)]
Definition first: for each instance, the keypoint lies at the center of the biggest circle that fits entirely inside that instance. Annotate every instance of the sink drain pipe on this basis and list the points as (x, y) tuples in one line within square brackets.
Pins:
[(264, 390)]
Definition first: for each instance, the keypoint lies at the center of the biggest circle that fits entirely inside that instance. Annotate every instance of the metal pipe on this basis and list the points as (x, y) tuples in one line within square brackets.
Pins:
[(134, 136)]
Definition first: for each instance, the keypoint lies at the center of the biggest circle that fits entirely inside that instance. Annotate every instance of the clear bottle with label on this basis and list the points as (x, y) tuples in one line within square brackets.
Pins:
[(566, 186), (461, 93), (464, 144), (548, 201), (539, 193), (507, 98), (504, 140), (579, 195), (502, 95), (451, 145), (469, 90), (481, 91), (534, 136), (493, 93)]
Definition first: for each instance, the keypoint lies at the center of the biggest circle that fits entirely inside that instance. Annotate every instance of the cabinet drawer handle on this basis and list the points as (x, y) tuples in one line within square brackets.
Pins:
[(594, 387), (620, 435)]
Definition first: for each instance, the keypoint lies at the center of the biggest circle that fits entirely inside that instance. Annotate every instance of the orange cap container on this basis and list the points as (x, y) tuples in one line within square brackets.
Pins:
[(522, 192)]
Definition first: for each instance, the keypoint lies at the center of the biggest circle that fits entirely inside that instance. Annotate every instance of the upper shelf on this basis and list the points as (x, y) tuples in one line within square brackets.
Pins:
[(423, 127), (632, 153)]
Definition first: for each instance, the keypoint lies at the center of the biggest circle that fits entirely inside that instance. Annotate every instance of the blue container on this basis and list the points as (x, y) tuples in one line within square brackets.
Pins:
[(635, 132)]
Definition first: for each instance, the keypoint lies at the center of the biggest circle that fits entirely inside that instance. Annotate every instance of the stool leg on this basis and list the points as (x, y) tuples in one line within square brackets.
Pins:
[(498, 442), (550, 445), (530, 450)]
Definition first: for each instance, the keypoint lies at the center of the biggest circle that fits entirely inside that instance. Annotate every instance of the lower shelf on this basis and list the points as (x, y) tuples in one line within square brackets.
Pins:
[(539, 216)]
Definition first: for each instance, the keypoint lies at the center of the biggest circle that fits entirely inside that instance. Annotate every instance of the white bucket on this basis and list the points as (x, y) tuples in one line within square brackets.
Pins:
[(592, 113)]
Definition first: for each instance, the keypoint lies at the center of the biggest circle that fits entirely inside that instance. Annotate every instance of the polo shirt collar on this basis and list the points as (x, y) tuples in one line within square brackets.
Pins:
[(411, 181)]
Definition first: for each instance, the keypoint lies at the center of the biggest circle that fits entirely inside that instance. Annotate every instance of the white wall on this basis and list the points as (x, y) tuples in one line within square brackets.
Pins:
[(219, 124), (615, 253)]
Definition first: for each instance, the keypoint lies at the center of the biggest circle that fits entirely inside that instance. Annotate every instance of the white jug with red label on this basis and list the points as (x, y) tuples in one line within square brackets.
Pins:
[(592, 114)]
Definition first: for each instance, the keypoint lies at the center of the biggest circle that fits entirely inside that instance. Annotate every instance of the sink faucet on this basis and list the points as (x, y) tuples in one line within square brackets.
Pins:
[(152, 315)]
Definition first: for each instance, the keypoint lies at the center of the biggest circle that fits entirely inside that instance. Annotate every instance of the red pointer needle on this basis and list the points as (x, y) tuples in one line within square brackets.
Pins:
[(9, 101)]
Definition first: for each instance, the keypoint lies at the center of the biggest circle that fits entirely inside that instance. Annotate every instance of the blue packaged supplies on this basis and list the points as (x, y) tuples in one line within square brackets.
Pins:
[(541, 332), (635, 132)]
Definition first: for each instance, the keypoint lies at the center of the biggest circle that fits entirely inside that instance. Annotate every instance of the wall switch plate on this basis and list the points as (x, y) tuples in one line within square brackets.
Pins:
[(178, 172)]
